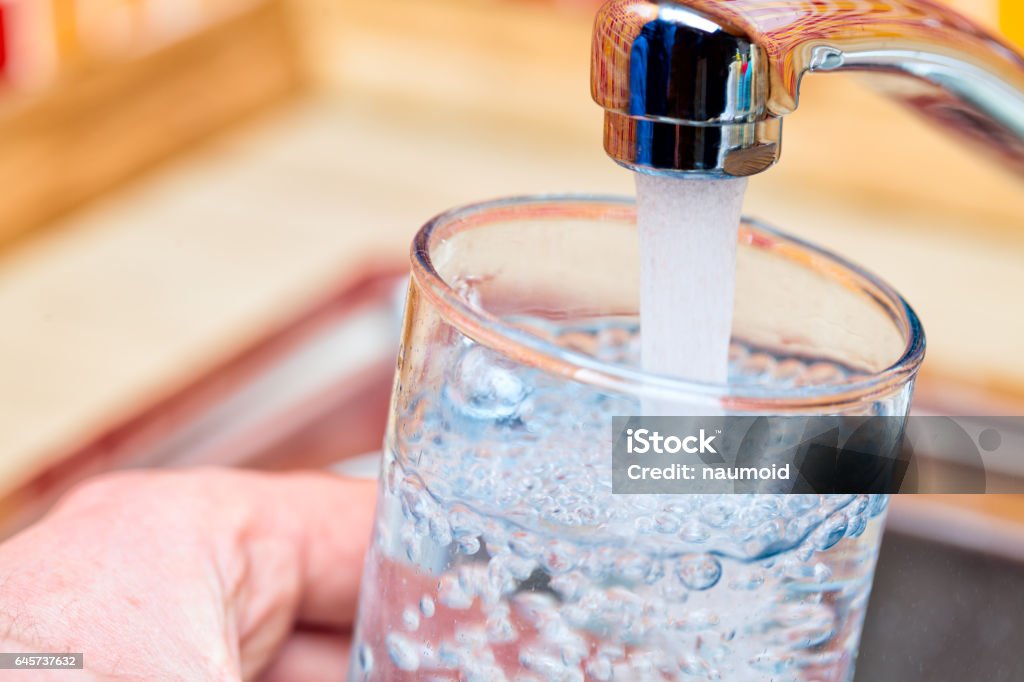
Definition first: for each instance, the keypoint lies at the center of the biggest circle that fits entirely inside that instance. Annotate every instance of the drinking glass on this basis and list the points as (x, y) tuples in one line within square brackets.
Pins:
[(499, 550)]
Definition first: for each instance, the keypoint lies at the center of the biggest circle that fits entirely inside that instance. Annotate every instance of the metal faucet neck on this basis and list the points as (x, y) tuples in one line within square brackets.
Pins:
[(701, 86)]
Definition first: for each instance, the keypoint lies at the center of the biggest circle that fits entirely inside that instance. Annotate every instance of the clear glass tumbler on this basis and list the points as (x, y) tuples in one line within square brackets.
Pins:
[(500, 552)]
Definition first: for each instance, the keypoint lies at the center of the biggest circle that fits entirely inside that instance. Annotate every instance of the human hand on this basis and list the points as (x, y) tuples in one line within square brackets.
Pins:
[(205, 575)]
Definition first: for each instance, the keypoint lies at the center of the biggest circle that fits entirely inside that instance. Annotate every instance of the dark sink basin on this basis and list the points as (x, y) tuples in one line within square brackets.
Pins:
[(944, 609)]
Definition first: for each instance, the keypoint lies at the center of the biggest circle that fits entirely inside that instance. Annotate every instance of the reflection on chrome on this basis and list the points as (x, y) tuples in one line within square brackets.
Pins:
[(701, 86)]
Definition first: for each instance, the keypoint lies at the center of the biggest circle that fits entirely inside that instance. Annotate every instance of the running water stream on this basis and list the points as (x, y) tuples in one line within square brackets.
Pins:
[(688, 232)]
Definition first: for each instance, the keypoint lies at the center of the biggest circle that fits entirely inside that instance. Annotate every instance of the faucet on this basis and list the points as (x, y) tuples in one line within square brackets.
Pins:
[(702, 86)]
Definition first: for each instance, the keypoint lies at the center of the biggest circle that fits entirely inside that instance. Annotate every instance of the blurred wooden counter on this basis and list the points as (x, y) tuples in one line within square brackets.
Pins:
[(104, 119), (422, 106)]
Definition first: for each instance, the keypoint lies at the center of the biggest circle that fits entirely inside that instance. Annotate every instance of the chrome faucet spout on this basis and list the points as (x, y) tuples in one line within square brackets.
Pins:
[(701, 86)]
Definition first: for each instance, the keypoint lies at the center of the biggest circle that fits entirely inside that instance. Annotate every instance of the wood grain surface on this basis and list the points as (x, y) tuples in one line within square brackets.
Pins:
[(105, 121)]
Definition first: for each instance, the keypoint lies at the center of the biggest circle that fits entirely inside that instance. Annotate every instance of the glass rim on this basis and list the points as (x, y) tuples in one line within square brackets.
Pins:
[(520, 345)]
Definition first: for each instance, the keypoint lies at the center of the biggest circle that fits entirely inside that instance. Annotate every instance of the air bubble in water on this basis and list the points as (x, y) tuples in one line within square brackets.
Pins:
[(475, 638), (451, 593), (761, 509), (748, 580), (364, 658), (600, 669), (559, 557), (402, 652), (499, 626), (768, 535), (448, 655), (693, 532), (699, 571), (666, 523), (697, 620), (569, 586), (807, 625), (858, 524), (486, 386), (773, 662), (717, 513), (831, 532), (414, 501), (877, 504), (694, 666), (633, 567), (469, 545), (525, 544), (549, 667), (821, 572), (440, 531), (411, 619)]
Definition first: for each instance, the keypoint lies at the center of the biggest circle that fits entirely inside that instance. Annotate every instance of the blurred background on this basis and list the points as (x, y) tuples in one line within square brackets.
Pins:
[(206, 207)]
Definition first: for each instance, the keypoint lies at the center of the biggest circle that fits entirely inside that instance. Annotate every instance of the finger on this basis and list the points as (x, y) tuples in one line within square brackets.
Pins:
[(241, 556), (310, 657), (286, 542), (328, 519)]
